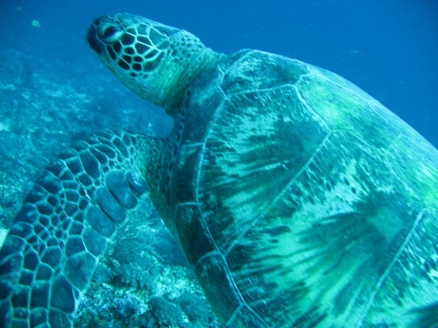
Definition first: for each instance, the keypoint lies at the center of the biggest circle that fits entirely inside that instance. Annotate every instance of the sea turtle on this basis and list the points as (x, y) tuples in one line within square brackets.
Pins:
[(298, 199)]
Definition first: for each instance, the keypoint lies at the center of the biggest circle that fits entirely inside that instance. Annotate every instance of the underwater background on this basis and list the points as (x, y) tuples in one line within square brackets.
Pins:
[(53, 90)]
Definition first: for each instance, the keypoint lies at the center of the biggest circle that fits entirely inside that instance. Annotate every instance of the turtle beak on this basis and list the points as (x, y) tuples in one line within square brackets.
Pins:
[(93, 39)]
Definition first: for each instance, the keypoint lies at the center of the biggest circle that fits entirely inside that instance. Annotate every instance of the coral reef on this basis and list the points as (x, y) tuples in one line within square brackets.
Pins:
[(45, 105)]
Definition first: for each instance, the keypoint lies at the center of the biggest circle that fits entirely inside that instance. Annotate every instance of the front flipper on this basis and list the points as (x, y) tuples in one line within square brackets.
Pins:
[(65, 225)]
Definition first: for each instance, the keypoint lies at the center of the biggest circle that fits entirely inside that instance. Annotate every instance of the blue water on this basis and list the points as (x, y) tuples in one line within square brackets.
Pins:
[(388, 48)]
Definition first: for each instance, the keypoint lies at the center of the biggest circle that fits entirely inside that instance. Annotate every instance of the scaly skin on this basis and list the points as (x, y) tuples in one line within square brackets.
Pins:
[(298, 199), (65, 225)]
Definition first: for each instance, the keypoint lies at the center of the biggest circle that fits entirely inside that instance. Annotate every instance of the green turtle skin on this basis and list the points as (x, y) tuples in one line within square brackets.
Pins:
[(298, 199)]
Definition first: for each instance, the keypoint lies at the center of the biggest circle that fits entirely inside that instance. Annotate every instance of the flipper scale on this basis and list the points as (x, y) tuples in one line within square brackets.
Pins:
[(63, 229)]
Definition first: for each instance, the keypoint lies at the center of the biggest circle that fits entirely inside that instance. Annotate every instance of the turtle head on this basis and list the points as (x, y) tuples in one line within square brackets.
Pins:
[(156, 61)]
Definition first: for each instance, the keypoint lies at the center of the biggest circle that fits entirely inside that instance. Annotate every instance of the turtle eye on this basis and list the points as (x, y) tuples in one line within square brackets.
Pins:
[(108, 31)]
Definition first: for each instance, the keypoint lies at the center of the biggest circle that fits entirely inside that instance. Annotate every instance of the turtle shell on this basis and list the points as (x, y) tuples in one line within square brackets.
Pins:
[(300, 200)]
